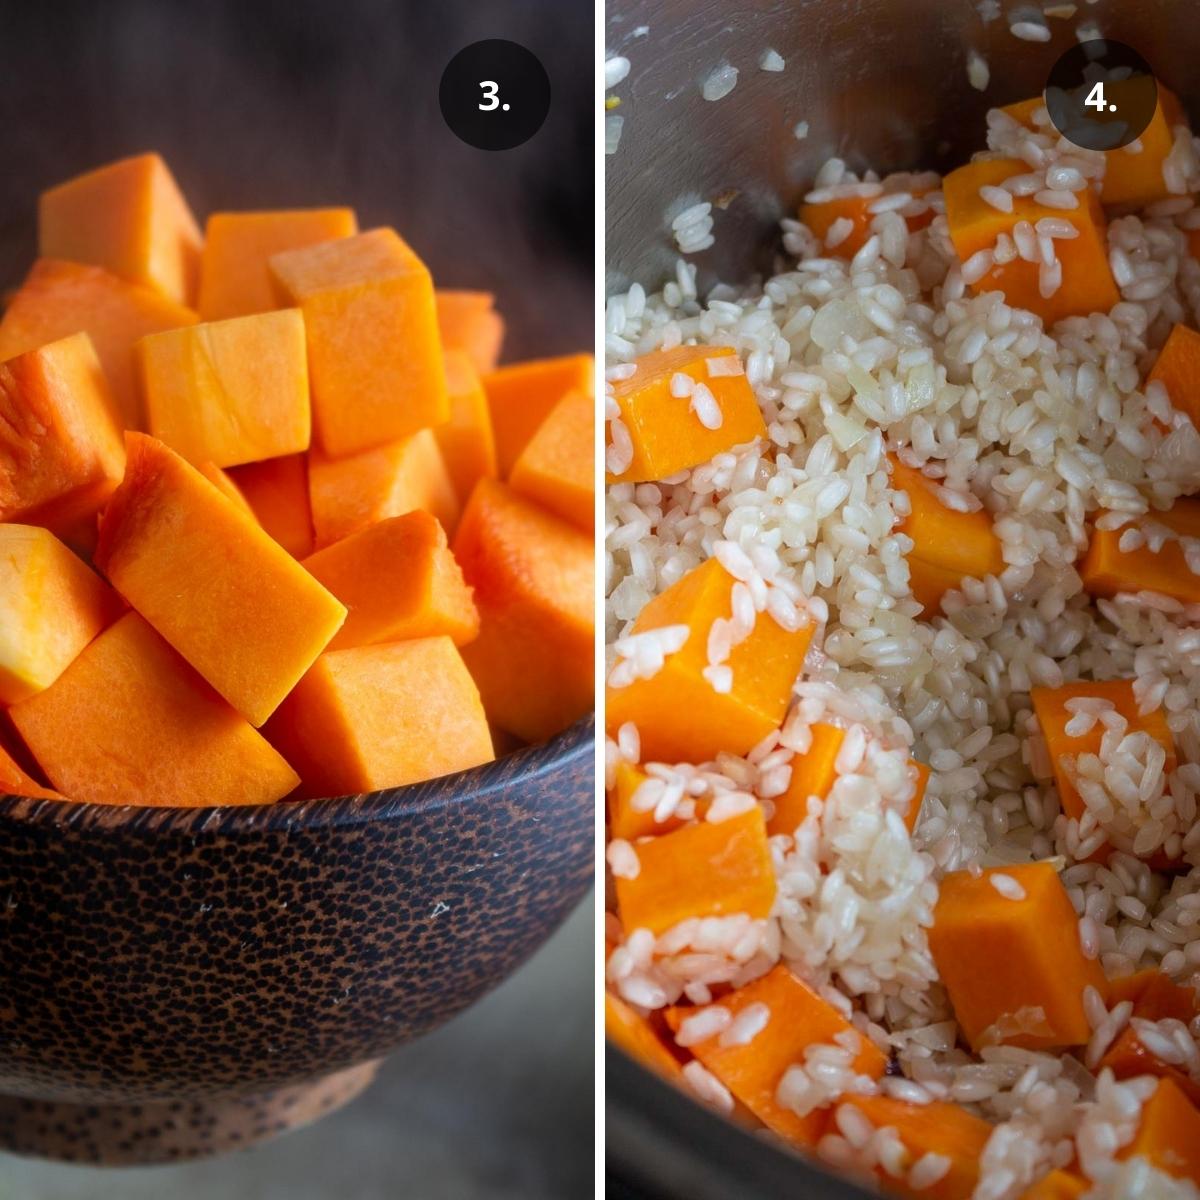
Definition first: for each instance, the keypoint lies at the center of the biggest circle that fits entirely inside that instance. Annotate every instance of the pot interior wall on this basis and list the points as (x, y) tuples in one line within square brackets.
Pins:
[(881, 83)]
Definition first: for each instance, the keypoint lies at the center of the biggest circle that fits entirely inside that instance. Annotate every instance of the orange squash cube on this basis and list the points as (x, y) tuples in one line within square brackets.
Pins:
[(398, 580), (1177, 368), (626, 1028), (764, 666), (557, 468), (51, 606), (534, 581), (819, 216), (225, 485), (277, 492), (1129, 179), (374, 356), (58, 299), (948, 546), (799, 1018), (1013, 968), (521, 395), (226, 596), (130, 218), (813, 774), (129, 722), (1050, 707), (1107, 570), (60, 447), (468, 323), (235, 279), (913, 813), (1057, 1185), (629, 823), (348, 494), (229, 392), (377, 717), (14, 781), (1168, 1135), (667, 436), (466, 440), (1087, 284), (701, 870), (936, 1128)]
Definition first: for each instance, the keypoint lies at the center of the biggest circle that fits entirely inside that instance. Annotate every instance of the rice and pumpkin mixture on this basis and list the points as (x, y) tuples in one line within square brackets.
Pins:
[(903, 695)]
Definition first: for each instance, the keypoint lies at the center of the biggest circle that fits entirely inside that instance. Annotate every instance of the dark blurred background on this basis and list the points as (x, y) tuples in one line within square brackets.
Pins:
[(288, 104), (295, 103)]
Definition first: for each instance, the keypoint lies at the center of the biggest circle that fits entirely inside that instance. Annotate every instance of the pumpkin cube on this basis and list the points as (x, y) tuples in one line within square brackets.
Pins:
[(625, 1027), (375, 717), (129, 722), (229, 392), (1168, 1135), (130, 218), (1177, 368), (348, 494), (705, 869), (534, 581), (764, 667), (14, 781), (629, 823), (235, 278), (521, 395), (60, 446), (813, 774), (398, 580), (557, 468), (1107, 570), (226, 596), (466, 440), (58, 299), (374, 356), (797, 1018), (468, 323), (1008, 953), (658, 410), (277, 491)]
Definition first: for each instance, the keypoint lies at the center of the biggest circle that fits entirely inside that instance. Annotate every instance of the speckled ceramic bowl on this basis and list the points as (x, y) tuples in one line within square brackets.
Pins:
[(177, 982)]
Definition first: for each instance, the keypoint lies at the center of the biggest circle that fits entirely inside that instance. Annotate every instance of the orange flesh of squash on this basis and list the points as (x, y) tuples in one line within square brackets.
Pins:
[(277, 491), (235, 279), (1177, 368), (375, 717), (667, 436), (60, 446), (1049, 705), (700, 870), (627, 1029), (1106, 569), (813, 774), (466, 440), (913, 813), (130, 218), (374, 355), (468, 323), (948, 546), (397, 580), (1000, 959), (799, 1018), (1057, 1185), (232, 601), (349, 494), (225, 485), (557, 468), (936, 1128), (1169, 1134), (1087, 283), (534, 581), (58, 299), (521, 396), (129, 722), (15, 782), (1131, 179), (629, 823), (51, 606), (229, 392), (679, 715), (819, 216)]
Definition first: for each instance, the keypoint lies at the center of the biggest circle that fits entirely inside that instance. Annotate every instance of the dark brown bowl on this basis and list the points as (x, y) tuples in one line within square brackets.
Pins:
[(177, 982)]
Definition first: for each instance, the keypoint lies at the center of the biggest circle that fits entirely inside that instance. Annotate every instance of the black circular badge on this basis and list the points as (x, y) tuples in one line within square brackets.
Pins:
[(1101, 94), (494, 95)]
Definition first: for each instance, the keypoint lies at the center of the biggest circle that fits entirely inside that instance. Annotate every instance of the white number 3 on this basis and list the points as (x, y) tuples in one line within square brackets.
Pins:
[(491, 97)]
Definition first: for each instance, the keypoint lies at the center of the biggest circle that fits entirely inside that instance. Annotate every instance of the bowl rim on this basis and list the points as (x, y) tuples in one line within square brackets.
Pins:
[(493, 778)]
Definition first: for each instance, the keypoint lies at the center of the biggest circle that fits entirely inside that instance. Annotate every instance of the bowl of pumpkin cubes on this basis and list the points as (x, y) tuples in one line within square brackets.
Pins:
[(296, 665)]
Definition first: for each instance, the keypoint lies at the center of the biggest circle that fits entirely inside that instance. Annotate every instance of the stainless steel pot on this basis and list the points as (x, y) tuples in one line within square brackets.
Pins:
[(881, 83)]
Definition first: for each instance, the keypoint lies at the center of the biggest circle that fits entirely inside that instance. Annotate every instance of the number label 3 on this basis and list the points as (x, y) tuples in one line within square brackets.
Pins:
[(491, 95)]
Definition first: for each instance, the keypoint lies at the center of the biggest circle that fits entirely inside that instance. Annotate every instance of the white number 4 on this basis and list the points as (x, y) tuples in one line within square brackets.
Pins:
[(492, 97), (1095, 99)]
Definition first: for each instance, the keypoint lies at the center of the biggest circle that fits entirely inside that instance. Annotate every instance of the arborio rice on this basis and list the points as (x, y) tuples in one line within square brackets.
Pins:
[(888, 351)]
